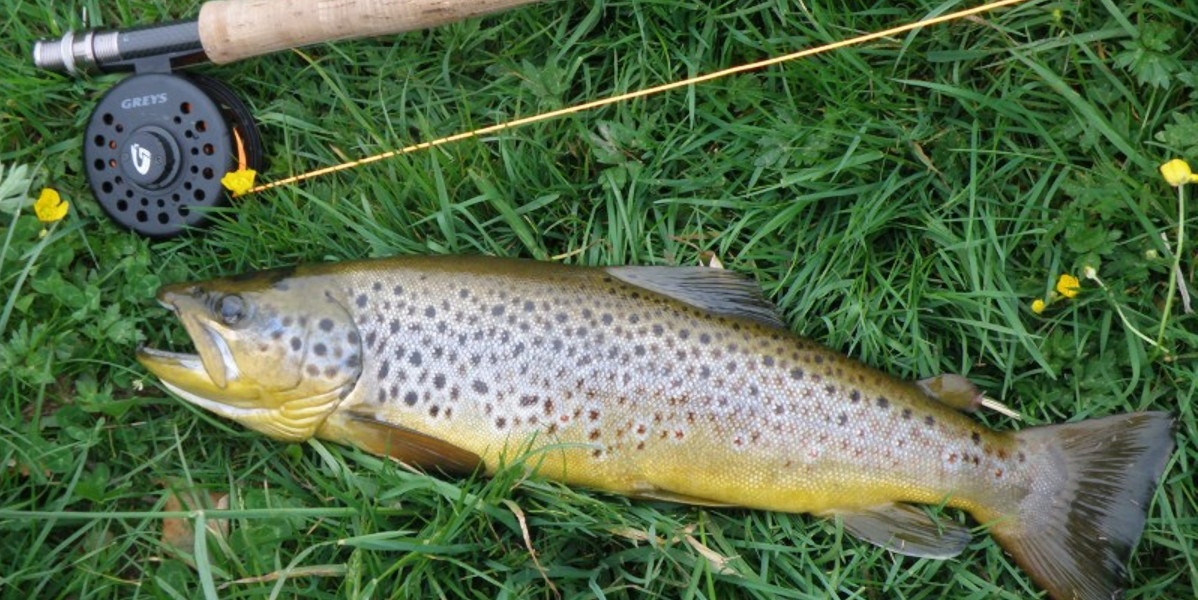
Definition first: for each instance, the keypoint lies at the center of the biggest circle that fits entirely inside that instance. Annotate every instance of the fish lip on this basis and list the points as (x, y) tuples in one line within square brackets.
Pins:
[(211, 366)]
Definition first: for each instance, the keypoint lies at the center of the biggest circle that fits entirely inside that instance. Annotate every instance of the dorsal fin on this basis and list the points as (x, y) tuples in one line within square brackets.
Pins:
[(715, 290)]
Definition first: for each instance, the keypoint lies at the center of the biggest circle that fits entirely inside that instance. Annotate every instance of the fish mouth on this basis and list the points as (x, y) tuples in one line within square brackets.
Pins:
[(207, 378), (186, 376)]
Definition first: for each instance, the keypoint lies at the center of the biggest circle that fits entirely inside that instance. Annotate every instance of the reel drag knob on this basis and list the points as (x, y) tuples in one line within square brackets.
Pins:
[(157, 146)]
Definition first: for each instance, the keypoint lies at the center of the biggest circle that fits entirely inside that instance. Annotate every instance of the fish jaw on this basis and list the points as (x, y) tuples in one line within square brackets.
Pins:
[(272, 391)]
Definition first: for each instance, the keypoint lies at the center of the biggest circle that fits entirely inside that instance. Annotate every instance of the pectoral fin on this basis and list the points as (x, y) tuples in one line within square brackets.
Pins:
[(906, 530), (407, 445)]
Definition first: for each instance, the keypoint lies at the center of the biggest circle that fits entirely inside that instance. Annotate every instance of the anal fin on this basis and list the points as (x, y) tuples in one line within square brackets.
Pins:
[(906, 530), (407, 445)]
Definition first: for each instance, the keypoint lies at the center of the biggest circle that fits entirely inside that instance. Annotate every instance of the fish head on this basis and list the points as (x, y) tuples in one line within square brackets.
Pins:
[(275, 353)]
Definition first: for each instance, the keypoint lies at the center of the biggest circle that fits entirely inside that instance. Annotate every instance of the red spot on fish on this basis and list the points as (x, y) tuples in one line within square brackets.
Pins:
[(998, 473), (677, 434), (952, 458)]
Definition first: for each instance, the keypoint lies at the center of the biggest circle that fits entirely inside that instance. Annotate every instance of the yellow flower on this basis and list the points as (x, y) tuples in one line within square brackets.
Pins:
[(239, 182), (1067, 285), (1177, 172), (50, 208), (1038, 306)]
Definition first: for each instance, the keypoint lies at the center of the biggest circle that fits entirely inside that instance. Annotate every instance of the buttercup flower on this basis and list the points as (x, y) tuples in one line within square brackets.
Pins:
[(239, 182), (1068, 285), (50, 208), (1177, 172), (1038, 306)]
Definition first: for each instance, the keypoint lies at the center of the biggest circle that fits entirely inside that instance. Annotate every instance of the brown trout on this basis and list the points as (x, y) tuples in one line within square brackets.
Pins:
[(672, 383)]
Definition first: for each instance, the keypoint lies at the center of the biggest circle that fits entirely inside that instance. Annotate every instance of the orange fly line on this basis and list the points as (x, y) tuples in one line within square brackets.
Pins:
[(577, 108)]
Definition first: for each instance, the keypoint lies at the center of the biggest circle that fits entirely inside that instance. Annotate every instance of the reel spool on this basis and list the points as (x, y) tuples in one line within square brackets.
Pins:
[(157, 146)]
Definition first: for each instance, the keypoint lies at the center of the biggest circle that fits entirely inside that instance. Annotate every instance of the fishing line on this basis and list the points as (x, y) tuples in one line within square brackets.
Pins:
[(577, 108)]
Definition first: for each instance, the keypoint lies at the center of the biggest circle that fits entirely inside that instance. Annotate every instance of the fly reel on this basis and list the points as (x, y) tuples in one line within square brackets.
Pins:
[(157, 146)]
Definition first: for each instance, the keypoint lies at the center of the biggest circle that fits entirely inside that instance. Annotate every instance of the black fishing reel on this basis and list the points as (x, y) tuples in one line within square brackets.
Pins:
[(159, 142), (157, 146)]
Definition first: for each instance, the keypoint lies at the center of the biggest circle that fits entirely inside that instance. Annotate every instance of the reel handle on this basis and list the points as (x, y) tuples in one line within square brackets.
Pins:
[(235, 29)]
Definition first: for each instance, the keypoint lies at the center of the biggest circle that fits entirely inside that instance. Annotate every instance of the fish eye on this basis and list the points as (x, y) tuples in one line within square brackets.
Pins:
[(231, 309)]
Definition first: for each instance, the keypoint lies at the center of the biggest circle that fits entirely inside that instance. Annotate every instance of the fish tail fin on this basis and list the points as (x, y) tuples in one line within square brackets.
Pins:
[(1075, 529)]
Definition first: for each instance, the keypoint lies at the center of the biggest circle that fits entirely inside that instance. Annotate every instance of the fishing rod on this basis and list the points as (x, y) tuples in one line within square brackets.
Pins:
[(158, 143)]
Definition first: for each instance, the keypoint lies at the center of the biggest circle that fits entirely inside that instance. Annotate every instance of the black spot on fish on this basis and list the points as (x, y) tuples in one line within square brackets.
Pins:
[(439, 380), (731, 367), (410, 398), (378, 286), (497, 310), (819, 359), (463, 293), (397, 290), (384, 369), (320, 349), (330, 372), (768, 361), (883, 402), (606, 318), (704, 372), (434, 410), (929, 421), (352, 338), (797, 375), (382, 396), (976, 437), (313, 370), (430, 312), (841, 419), (639, 350), (354, 361), (906, 413), (479, 386), (394, 326), (326, 324), (296, 344), (360, 301), (855, 396), (370, 339), (658, 330), (415, 358), (501, 422), (704, 338)]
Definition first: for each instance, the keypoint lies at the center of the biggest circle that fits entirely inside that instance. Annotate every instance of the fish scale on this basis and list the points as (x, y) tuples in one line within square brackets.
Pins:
[(632, 389), (669, 383)]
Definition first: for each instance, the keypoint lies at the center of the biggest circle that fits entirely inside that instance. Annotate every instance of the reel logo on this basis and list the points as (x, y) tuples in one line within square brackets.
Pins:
[(142, 158), (143, 101)]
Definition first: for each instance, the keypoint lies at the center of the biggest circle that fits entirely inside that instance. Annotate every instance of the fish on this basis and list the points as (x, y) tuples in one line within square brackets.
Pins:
[(666, 383)]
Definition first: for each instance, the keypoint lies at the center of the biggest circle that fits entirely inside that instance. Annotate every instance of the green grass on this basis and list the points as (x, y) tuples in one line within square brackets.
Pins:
[(903, 202)]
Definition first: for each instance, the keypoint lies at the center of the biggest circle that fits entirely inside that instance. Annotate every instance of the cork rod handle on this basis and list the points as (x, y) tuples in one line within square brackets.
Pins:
[(235, 29)]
